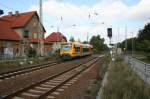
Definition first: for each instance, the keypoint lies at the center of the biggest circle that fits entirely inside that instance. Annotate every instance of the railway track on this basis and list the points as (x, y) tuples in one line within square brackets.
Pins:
[(25, 70), (44, 89)]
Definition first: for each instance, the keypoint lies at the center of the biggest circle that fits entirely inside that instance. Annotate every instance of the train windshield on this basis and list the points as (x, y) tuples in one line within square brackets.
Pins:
[(66, 47)]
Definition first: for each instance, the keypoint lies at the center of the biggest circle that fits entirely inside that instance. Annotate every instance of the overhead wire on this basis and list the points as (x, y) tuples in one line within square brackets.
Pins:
[(90, 14), (87, 20), (74, 12)]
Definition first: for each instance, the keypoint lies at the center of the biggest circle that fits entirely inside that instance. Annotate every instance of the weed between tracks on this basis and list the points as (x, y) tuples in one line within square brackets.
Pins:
[(124, 83), (95, 82)]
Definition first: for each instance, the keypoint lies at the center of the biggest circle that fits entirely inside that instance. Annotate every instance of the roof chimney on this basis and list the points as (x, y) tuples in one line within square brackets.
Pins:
[(17, 13), (10, 14)]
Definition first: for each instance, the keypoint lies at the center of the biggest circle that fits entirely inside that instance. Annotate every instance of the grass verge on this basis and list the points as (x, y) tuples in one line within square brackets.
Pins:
[(124, 83)]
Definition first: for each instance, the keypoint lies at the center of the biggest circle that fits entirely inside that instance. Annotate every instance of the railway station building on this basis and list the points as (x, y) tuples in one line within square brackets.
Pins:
[(56, 38), (19, 31)]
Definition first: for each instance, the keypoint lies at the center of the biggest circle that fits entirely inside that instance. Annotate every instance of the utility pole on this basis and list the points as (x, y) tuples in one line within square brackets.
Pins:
[(132, 44), (126, 43), (117, 45), (118, 34), (57, 28), (57, 41), (41, 34), (40, 10), (87, 37)]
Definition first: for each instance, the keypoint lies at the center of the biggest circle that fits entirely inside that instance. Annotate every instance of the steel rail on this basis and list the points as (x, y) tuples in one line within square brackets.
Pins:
[(40, 82), (26, 70)]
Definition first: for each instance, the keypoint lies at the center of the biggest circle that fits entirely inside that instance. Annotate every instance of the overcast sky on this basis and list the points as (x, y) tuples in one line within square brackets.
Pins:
[(78, 17)]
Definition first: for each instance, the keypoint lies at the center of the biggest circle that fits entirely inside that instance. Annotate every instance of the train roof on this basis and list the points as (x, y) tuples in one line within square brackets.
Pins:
[(78, 43), (71, 43)]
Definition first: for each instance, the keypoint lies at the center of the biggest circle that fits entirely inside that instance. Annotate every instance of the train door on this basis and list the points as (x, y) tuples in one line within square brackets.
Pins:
[(81, 50), (77, 50)]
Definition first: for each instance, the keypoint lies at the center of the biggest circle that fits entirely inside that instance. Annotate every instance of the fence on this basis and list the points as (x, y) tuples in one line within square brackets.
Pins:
[(7, 58), (141, 68)]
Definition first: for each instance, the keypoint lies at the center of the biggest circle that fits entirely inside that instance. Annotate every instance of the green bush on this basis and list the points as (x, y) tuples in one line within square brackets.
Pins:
[(31, 52), (148, 49)]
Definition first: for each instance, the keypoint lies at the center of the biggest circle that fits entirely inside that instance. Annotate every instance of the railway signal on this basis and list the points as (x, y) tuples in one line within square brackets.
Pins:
[(1, 12), (109, 33)]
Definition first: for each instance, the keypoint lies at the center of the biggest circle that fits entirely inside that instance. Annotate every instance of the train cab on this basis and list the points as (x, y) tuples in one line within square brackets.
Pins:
[(74, 49)]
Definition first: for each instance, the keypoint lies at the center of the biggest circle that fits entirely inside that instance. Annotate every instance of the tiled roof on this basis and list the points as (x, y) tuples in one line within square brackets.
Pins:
[(11, 21), (55, 37), (6, 33), (20, 19)]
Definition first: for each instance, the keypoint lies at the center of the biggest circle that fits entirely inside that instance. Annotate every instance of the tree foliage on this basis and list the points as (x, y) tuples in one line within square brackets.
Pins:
[(98, 43), (141, 42), (144, 34), (84, 42), (71, 39)]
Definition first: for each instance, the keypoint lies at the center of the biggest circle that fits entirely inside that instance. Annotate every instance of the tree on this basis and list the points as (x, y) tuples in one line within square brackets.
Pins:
[(98, 44), (142, 42), (71, 39), (129, 45), (84, 42), (31, 52), (144, 34)]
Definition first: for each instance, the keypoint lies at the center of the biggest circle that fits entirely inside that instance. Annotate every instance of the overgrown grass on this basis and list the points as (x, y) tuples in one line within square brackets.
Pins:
[(124, 83), (7, 66), (103, 67)]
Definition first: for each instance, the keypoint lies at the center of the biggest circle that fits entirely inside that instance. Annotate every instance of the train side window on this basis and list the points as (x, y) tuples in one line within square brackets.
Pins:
[(85, 49), (77, 49)]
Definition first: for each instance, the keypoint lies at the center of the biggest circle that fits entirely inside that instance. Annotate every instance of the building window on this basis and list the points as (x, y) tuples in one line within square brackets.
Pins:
[(35, 35), (26, 34)]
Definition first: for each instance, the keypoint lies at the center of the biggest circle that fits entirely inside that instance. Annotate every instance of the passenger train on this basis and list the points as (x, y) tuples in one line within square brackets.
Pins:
[(75, 49)]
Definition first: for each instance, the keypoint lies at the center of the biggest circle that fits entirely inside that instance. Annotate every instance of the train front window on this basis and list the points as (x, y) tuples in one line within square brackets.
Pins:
[(66, 47)]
